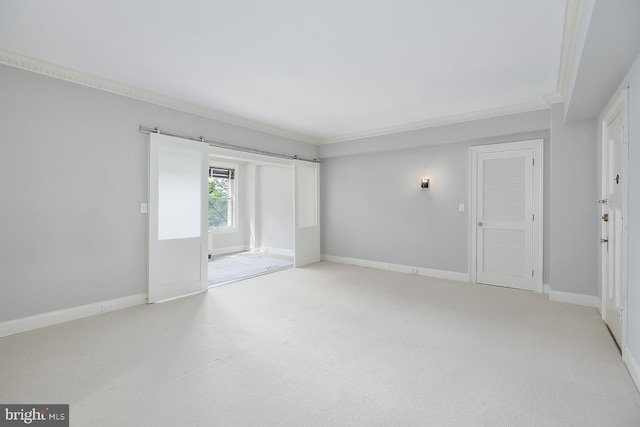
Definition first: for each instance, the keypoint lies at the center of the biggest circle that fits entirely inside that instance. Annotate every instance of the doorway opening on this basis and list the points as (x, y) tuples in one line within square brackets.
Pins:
[(251, 207), (265, 203)]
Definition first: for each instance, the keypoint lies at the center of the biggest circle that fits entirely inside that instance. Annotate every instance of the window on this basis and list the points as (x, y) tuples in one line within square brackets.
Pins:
[(221, 198)]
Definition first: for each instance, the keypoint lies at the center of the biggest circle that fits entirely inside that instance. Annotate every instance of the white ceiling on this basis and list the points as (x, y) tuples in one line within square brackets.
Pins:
[(326, 69)]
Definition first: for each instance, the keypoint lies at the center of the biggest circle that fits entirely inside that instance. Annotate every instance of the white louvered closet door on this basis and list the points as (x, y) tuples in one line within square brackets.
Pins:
[(505, 219)]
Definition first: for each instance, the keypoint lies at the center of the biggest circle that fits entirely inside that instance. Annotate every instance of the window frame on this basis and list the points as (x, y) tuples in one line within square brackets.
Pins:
[(234, 197)]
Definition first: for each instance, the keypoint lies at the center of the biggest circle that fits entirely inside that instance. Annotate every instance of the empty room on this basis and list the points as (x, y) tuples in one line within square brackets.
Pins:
[(445, 196)]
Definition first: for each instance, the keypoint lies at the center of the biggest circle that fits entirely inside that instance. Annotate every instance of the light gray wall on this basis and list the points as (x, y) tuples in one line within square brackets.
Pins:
[(373, 207), (574, 209), (632, 80), (73, 172), (274, 207)]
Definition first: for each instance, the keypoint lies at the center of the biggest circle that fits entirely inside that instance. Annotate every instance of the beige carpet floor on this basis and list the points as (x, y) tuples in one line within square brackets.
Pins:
[(330, 345)]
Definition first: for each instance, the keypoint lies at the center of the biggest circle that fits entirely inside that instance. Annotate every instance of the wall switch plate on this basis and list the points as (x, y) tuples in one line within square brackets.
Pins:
[(461, 207), (144, 208)]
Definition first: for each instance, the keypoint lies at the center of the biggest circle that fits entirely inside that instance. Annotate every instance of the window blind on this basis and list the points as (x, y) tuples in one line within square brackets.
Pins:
[(221, 173)]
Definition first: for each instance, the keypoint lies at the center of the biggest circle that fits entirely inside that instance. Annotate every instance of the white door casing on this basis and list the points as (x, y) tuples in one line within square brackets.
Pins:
[(306, 215), (177, 217), (614, 231), (506, 215)]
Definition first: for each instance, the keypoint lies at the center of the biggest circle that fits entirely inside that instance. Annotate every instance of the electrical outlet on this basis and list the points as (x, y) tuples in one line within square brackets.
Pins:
[(109, 307)]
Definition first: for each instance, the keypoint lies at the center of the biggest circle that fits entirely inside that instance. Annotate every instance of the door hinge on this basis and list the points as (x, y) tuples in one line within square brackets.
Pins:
[(532, 273), (533, 217), (533, 162)]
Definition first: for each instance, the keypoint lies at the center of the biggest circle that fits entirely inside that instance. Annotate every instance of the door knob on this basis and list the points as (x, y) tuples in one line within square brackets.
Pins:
[(604, 240), (605, 217), (480, 224)]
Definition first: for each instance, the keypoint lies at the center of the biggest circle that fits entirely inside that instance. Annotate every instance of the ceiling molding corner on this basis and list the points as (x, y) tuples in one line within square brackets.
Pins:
[(553, 98), (573, 17), (16, 60), (524, 107)]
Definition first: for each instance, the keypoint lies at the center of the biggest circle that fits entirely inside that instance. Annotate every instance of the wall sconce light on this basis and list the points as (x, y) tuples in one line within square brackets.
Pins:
[(425, 183)]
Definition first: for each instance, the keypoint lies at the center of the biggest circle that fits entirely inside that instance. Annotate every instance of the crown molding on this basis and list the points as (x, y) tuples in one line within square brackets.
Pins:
[(553, 98), (63, 73), (450, 120), (573, 16), (16, 60)]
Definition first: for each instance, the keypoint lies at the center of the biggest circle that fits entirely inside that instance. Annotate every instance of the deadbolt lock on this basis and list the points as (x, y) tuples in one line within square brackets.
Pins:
[(605, 217)]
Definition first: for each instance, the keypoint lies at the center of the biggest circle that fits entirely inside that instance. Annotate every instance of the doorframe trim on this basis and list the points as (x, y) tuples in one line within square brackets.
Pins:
[(621, 105), (537, 145)]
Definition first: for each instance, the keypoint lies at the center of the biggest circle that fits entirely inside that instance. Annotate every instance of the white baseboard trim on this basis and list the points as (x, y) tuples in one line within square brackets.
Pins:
[(632, 366), (571, 298), (277, 251), (546, 288), (398, 268), (38, 321), (598, 302), (229, 250)]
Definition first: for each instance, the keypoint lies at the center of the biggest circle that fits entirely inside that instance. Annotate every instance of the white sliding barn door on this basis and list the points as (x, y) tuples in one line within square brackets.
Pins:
[(306, 215), (177, 217), (505, 240)]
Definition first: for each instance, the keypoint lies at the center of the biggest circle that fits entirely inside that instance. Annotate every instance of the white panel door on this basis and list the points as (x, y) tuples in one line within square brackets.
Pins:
[(504, 215), (614, 246), (306, 215), (177, 217)]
